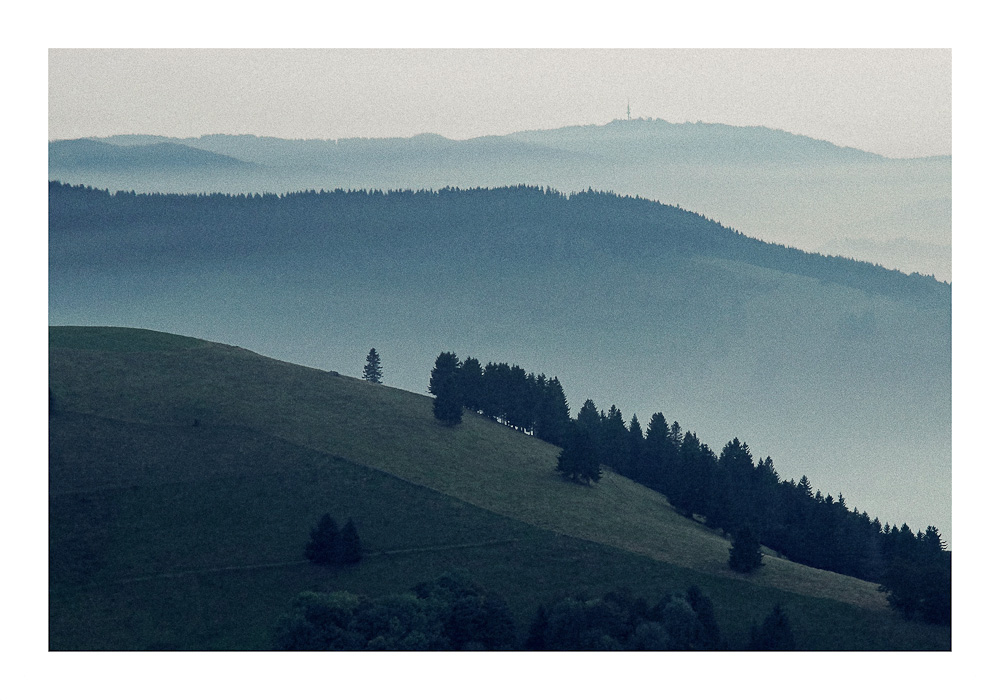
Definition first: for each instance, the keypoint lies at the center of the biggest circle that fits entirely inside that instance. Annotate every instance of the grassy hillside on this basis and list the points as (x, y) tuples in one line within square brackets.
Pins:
[(185, 475)]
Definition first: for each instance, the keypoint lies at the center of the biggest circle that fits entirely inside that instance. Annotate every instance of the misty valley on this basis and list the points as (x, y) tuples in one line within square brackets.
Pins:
[(375, 395)]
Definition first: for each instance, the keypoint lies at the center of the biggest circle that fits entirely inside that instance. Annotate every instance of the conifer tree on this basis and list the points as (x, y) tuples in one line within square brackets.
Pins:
[(579, 459), (470, 375), (614, 440), (710, 637), (446, 386), (445, 366), (350, 544), (553, 421), (520, 403), (589, 419), (744, 555), (636, 446), (323, 546), (655, 458), (775, 634), (689, 482), (448, 402), (536, 633), (373, 368)]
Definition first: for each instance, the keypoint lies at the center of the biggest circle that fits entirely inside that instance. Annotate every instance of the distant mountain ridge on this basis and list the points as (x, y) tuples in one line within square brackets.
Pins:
[(101, 155), (769, 184), (635, 140), (648, 139)]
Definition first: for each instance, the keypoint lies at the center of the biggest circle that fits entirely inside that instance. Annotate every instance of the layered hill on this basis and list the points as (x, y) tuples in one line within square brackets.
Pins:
[(185, 475), (768, 183), (832, 367)]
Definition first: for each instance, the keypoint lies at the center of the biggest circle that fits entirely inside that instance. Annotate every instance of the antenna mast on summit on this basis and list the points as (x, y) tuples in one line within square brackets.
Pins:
[(628, 109)]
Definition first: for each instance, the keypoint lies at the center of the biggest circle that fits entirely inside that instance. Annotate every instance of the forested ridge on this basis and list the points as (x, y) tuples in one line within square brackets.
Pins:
[(229, 225), (727, 491)]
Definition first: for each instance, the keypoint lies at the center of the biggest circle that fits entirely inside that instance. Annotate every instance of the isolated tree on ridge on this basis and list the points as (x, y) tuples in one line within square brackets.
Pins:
[(373, 368)]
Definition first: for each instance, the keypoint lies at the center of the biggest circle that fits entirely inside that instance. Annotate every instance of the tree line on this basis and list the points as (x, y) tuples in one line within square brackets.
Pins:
[(350, 223), (728, 491), (455, 613)]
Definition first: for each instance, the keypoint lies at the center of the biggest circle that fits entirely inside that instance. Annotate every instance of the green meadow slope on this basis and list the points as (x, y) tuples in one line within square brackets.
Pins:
[(185, 476)]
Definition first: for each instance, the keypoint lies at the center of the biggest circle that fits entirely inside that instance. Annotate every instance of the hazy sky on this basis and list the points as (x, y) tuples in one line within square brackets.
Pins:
[(896, 102)]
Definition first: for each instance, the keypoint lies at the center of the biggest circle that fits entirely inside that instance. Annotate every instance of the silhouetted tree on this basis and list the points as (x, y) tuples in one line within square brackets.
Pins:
[(320, 622), (470, 374), (589, 419), (614, 440), (553, 422), (373, 368), (445, 366), (658, 455), (578, 460), (536, 633), (350, 544), (774, 635), (709, 636), (636, 446), (323, 546), (446, 386), (744, 555), (918, 577), (471, 618)]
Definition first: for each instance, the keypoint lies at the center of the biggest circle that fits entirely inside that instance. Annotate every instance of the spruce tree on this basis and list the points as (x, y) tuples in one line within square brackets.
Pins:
[(636, 447), (373, 368), (445, 367), (709, 636), (579, 459), (589, 419), (350, 544), (614, 440), (448, 402), (553, 421), (470, 375), (744, 555), (446, 386), (323, 546), (536, 633), (774, 635), (655, 457)]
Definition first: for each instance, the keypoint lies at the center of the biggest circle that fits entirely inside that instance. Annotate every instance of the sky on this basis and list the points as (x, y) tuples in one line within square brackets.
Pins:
[(895, 102)]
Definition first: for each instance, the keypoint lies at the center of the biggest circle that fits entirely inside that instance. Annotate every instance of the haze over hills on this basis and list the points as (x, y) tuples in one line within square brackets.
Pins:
[(766, 183), (185, 475), (834, 368)]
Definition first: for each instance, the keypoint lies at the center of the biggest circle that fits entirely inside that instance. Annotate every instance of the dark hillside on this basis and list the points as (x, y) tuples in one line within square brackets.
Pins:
[(185, 476)]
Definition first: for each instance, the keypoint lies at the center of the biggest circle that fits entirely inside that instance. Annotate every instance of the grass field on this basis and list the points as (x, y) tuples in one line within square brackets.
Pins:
[(185, 476)]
